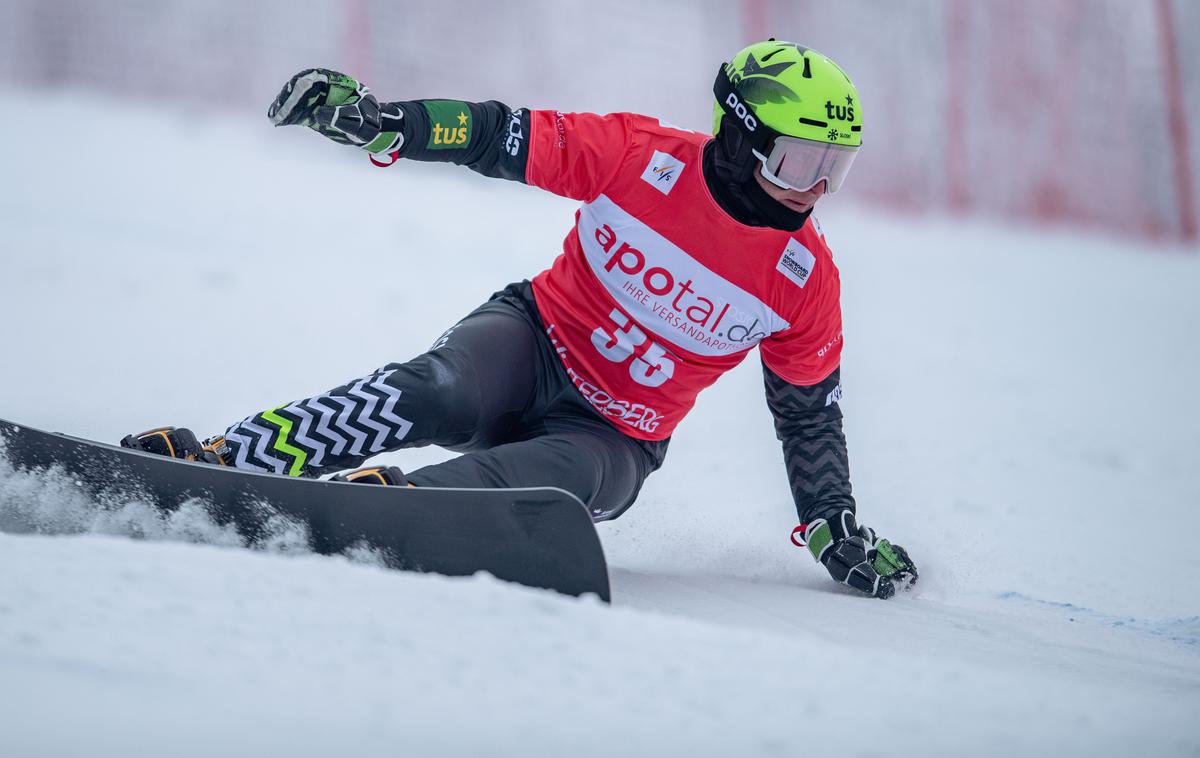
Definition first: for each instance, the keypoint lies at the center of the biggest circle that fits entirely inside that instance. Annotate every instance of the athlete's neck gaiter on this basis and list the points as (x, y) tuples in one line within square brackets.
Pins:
[(729, 168)]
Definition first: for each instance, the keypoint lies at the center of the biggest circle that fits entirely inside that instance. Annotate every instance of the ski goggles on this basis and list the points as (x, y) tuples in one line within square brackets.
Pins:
[(799, 164)]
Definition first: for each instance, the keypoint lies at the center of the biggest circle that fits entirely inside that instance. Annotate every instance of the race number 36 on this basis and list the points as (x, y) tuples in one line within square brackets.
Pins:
[(651, 368)]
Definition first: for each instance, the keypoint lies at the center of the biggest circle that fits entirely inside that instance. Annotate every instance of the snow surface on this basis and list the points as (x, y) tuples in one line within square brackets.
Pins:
[(1021, 410)]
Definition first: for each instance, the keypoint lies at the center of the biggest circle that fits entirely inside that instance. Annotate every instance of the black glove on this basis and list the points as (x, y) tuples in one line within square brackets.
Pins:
[(855, 557), (340, 108)]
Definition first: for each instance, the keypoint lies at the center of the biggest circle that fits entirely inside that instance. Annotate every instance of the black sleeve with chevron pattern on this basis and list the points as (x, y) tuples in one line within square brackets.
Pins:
[(489, 138), (809, 423)]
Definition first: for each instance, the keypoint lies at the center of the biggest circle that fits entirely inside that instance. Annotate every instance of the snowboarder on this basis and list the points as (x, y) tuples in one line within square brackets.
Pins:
[(687, 251)]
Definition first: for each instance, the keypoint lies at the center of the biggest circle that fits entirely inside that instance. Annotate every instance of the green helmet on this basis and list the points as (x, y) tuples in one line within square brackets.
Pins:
[(796, 91), (776, 90)]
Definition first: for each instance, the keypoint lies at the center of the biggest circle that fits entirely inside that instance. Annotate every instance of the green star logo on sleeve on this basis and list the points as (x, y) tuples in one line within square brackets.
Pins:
[(449, 124)]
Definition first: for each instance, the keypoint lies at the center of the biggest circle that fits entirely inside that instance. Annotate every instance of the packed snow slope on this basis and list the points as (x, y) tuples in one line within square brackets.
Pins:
[(1021, 410)]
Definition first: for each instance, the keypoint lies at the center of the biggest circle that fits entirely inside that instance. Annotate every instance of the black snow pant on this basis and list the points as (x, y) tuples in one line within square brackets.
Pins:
[(492, 388)]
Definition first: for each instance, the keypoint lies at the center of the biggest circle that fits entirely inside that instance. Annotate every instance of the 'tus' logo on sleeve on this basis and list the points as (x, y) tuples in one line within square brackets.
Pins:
[(449, 124), (663, 171)]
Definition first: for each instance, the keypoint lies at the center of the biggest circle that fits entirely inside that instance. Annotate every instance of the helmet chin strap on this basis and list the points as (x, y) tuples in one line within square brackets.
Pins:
[(732, 166)]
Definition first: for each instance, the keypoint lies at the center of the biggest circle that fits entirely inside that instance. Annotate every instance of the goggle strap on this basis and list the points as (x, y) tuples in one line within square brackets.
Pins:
[(760, 135)]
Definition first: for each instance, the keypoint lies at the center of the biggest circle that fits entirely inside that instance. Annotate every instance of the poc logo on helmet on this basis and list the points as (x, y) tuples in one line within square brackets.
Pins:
[(742, 112)]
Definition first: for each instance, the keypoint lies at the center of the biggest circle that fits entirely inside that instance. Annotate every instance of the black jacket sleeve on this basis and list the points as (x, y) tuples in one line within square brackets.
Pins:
[(809, 423), (489, 138)]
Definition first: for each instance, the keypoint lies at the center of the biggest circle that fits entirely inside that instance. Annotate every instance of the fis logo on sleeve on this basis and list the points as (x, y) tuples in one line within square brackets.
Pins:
[(663, 171), (449, 124), (796, 263)]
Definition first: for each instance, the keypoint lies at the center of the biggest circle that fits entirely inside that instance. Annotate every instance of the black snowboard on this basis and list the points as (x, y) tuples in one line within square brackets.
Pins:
[(540, 537)]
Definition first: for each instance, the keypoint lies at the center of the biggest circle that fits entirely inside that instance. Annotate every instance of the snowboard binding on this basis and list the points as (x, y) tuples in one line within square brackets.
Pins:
[(181, 443), (387, 475)]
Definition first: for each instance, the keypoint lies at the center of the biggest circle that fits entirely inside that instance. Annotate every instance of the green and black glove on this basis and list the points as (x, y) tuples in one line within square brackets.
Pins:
[(339, 107), (854, 557)]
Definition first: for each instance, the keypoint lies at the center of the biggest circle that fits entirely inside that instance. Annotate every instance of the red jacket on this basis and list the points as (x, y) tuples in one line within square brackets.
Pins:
[(658, 291)]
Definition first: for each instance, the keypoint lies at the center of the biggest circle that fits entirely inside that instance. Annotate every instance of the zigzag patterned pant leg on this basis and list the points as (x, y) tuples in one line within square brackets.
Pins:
[(329, 431), (468, 392)]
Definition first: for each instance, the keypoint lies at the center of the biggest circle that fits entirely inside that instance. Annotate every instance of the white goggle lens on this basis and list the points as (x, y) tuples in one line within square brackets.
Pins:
[(799, 164)]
